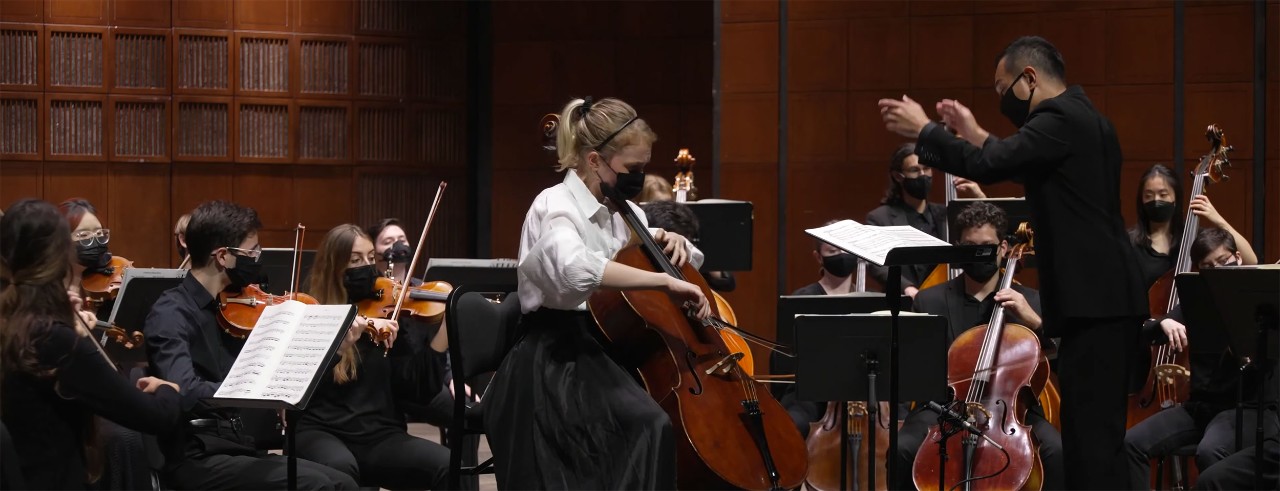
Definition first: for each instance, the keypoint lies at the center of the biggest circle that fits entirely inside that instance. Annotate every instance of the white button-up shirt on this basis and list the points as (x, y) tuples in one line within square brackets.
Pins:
[(567, 239)]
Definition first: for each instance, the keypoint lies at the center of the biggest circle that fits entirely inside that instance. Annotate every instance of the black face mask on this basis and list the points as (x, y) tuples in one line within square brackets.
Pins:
[(980, 272), (246, 272), (1158, 211), (359, 282), (629, 184), (94, 258), (841, 265), (1014, 108), (917, 187), (398, 253)]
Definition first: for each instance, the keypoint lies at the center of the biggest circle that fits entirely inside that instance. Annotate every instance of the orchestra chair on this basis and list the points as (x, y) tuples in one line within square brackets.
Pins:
[(1184, 455), (481, 332)]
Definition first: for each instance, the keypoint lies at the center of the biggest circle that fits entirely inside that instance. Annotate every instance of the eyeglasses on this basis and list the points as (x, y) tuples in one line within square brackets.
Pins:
[(254, 254), (88, 237)]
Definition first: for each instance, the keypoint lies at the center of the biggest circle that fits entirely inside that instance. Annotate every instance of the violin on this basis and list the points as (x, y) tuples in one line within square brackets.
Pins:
[(238, 312), (425, 302), (995, 371), (102, 286)]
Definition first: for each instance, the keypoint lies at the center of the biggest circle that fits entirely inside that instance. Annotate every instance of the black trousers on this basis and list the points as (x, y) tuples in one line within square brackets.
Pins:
[(1093, 365), (1167, 431), (916, 427), (1236, 471), (249, 472), (392, 460)]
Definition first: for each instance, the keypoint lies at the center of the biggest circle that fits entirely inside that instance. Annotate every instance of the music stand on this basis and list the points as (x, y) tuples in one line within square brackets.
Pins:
[(1016, 209), (1249, 301), (724, 233), (277, 269), (907, 256), (140, 288), (459, 271), (789, 306), (842, 355)]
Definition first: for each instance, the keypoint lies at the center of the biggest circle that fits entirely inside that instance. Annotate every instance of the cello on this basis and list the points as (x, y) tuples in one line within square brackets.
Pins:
[(825, 440), (683, 192), (996, 370), (730, 431)]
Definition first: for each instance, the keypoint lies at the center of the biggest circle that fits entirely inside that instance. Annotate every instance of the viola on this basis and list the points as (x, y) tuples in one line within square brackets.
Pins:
[(102, 286), (995, 371), (239, 312), (425, 302)]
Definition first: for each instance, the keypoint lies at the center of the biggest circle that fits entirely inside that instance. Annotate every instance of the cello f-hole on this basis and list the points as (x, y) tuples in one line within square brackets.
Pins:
[(691, 359), (1004, 417)]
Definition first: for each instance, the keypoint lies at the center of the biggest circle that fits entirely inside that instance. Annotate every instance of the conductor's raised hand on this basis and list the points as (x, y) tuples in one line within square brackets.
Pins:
[(689, 296), (904, 117)]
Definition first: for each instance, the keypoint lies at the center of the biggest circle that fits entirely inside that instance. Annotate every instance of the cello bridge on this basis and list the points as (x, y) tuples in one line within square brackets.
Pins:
[(725, 364), (1172, 373)]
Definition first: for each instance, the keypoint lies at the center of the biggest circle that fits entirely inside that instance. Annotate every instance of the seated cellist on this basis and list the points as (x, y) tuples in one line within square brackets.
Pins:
[(967, 301)]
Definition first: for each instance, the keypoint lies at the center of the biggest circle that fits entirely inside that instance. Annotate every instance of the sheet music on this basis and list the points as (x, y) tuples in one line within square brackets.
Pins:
[(285, 352), (871, 242)]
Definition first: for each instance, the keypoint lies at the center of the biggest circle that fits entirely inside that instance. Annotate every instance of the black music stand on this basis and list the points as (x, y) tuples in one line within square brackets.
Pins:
[(724, 233), (459, 271), (1249, 302), (789, 306), (908, 256), (843, 354), (139, 290), (277, 269)]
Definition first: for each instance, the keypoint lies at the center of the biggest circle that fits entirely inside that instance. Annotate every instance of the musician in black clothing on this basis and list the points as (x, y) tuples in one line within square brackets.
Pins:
[(905, 202), (1157, 234), (55, 379), (967, 301), (1237, 470), (210, 449), (1067, 157), (1208, 417), (356, 422)]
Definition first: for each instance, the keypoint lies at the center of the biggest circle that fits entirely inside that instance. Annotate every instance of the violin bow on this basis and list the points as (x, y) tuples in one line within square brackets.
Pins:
[(298, 233), (422, 241)]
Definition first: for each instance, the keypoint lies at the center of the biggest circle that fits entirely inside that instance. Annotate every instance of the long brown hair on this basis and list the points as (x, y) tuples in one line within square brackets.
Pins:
[(325, 283), (35, 264)]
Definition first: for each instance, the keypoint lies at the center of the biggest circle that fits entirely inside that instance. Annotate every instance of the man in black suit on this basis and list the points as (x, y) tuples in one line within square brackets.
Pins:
[(905, 202), (1067, 157), (967, 301)]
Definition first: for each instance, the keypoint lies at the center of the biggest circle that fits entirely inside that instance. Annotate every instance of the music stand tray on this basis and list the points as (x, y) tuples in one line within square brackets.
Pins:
[(724, 233), (460, 271), (277, 269), (1205, 329), (790, 306)]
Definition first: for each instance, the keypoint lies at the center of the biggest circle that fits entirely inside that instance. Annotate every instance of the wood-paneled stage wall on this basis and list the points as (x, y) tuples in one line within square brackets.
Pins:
[(318, 112)]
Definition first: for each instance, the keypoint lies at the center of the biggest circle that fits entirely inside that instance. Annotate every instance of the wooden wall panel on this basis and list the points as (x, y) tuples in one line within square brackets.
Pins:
[(1143, 118), (1145, 35), (1230, 106), (23, 11), (20, 180), (21, 48), (22, 130), (749, 57), (262, 130), (878, 53), (204, 60), (139, 128), (84, 12), (77, 59), (1219, 43), (141, 13), (265, 15), (263, 65), (928, 36), (138, 203), (324, 67), (324, 131), (76, 126), (817, 54), (203, 130), (206, 14), (141, 61), (195, 183), (325, 16), (88, 180)]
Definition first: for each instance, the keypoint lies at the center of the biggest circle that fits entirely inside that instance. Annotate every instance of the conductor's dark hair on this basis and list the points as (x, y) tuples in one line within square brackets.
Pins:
[(673, 217), (983, 213), (216, 224), (1208, 240), (1036, 52)]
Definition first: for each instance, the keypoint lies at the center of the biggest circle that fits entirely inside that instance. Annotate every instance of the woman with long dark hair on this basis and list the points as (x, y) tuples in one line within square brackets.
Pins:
[(55, 378), (1158, 231), (355, 422)]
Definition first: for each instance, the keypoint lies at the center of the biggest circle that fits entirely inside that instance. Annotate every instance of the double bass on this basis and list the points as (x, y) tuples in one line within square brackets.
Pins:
[(730, 431), (826, 438), (995, 371)]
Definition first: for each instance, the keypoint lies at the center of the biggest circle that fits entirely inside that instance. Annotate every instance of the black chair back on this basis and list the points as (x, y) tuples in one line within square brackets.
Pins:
[(10, 469)]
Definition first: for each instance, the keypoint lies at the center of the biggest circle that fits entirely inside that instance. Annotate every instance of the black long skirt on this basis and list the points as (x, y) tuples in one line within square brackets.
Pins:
[(560, 414)]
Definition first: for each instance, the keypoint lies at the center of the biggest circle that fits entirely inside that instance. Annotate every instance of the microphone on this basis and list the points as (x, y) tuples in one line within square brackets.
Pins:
[(964, 423)]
